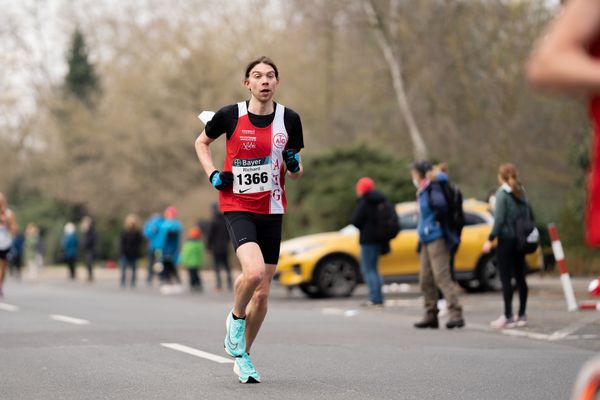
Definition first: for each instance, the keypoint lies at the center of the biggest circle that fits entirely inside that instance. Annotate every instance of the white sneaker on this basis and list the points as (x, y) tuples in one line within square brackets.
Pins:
[(521, 322), (503, 323), (442, 307)]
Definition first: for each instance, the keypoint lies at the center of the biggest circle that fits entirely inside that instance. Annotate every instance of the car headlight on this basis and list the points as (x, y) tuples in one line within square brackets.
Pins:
[(305, 249)]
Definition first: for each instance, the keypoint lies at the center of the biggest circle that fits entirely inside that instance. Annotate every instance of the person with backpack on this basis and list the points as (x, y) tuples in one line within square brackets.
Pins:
[(511, 208), (436, 242), (375, 217), (453, 220)]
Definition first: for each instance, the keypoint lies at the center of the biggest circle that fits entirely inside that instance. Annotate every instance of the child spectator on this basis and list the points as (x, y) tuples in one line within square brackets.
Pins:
[(192, 257)]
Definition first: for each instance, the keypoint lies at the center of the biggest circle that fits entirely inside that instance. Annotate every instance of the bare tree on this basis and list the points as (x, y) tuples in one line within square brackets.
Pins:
[(395, 65)]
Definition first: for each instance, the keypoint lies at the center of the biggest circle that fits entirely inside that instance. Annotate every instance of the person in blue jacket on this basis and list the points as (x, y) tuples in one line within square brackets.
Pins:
[(151, 233), (70, 246), (169, 242), (435, 244)]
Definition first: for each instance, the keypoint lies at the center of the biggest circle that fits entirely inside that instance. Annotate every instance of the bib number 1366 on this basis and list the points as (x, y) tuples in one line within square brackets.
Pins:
[(252, 175), (253, 179)]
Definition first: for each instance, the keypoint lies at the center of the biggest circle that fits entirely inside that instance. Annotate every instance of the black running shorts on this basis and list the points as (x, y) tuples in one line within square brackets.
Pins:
[(4, 254), (262, 229)]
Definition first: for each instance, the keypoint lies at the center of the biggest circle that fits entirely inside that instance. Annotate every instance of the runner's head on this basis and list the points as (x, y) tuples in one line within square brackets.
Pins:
[(261, 78)]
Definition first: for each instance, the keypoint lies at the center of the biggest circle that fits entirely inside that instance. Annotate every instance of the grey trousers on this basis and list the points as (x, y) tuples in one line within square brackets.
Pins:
[(434, 274)]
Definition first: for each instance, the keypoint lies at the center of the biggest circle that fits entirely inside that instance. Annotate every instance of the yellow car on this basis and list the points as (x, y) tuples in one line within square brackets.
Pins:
[(327, 264)]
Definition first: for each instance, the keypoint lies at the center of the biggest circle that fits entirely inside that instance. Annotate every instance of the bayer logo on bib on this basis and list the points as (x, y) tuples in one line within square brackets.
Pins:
[(251, 175)]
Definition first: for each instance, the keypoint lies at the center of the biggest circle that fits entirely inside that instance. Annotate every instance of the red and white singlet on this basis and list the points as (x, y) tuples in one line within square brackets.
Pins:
[(593, 203), (255, 157)]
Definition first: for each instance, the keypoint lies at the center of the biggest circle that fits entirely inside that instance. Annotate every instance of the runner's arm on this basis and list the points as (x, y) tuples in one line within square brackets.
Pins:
[(560, 60), (203, 152)]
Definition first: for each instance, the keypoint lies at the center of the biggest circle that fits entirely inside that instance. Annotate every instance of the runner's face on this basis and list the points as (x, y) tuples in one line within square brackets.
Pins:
[(262, 82)]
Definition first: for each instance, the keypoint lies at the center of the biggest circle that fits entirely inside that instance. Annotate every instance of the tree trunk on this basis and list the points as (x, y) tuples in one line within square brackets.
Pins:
[(420, 151)]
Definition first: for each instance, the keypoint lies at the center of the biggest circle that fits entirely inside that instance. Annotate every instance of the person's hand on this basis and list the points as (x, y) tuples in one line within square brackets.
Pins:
[(221, 180), (487, 247), (292, 160)]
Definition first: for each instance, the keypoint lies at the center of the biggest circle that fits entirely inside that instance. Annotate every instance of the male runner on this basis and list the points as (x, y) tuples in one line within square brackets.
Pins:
[(567, 58), (263, 141), (8, 229)]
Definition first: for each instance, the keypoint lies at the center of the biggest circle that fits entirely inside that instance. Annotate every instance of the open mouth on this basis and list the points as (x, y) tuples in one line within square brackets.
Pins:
[(265, 91)]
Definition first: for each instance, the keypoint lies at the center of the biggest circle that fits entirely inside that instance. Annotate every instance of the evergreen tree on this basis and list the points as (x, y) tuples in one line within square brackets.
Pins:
[(323, 200), (81, 80)]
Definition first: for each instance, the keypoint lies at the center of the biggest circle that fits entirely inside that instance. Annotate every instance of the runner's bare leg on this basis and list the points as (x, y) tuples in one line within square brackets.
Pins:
[(3, 265), (256, 310), (253, 272)]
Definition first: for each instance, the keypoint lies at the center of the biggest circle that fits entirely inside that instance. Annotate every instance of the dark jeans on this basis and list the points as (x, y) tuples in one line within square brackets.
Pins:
[(128, 262), (71, 264), (89, 263), (195, 278), (511, 263), (369, 258), (220, 261), (15, 264), (169, 272), (151, 262)]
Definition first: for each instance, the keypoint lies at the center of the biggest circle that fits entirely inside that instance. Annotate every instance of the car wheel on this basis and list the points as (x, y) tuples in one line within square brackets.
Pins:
[(310, 290), (469, 286), (488, 274), (336, 276)]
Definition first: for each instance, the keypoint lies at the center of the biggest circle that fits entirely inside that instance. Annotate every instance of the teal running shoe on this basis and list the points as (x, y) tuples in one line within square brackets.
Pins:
[(235, 339), (244, 368)]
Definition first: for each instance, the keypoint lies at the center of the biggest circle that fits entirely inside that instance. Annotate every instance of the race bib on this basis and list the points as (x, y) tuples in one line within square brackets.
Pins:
[(252, 175)]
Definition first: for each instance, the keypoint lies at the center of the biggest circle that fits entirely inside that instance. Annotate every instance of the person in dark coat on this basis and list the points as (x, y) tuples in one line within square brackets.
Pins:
[(90, 239), (370, 247), (218, 244), (131, 244)]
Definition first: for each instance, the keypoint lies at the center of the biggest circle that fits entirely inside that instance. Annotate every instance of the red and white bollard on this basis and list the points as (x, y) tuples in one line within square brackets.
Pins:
[(594, 291), (565, 278)]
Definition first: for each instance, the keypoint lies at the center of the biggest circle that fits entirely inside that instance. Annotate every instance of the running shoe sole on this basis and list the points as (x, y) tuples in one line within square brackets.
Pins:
[(250, 378)]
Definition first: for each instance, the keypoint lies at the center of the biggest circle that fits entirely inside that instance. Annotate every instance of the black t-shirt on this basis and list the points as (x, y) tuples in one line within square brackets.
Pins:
[(225, 121)]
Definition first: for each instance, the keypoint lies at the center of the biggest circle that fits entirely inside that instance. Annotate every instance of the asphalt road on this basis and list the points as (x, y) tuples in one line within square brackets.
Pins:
[(73, 340)]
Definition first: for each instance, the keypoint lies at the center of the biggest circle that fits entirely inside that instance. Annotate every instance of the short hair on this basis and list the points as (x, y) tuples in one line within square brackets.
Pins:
[(422, 167), (261, 60)]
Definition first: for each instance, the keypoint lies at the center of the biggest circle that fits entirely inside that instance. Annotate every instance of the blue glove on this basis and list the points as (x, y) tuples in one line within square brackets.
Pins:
[(292, 160), (221, 180)]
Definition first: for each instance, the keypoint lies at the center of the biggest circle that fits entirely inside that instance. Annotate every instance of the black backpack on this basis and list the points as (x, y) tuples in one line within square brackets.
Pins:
[(454, 218), (386, 222), (525, 230)]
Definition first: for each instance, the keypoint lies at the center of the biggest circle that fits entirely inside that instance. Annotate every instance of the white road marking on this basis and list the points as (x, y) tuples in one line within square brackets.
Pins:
[(338, 311), (8, 307), (562, 334), (571, 329), (197, 353), (69, 320)]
